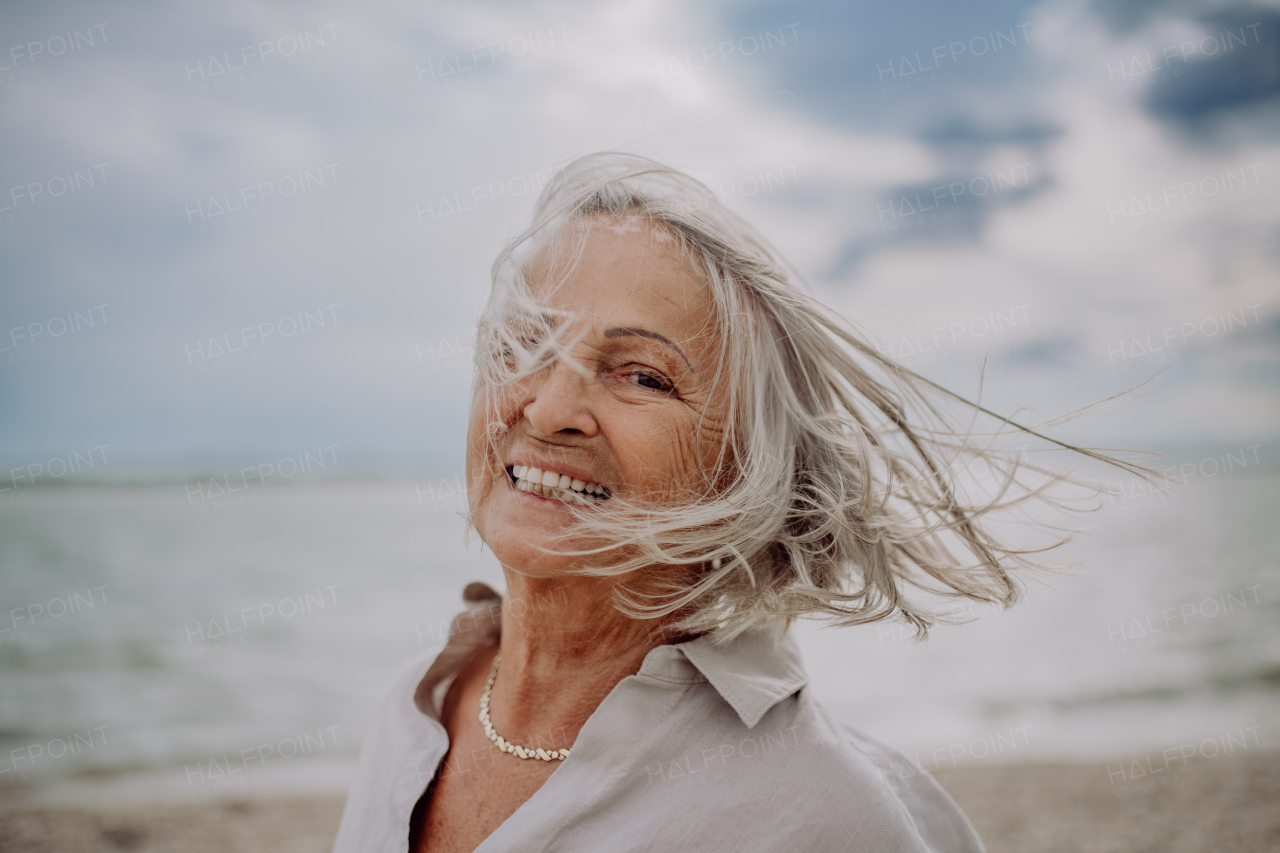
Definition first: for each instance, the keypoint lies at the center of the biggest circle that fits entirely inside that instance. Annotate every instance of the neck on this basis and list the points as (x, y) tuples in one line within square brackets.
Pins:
[(564, 647)]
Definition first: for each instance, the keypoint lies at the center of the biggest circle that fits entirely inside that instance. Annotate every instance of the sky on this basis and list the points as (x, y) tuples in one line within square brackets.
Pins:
[(236, 233)]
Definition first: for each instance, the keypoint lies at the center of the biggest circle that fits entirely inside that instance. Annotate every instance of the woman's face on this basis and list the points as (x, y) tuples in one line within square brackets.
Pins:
[(636, 417)]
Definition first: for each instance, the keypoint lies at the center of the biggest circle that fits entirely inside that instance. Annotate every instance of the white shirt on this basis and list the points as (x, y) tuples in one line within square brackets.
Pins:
[(706, 748)]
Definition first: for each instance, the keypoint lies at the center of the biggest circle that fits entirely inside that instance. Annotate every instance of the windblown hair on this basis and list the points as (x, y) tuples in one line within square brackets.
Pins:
[(841, 481)]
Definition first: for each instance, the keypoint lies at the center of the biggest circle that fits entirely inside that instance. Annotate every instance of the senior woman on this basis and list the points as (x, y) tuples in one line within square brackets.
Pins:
[(674, 451)]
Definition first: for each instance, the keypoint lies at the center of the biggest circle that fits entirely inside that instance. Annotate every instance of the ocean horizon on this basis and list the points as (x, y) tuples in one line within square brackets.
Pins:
[(173, 640)]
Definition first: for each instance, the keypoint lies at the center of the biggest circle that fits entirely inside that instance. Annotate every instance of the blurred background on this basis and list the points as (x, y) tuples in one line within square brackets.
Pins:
[(242, 247)]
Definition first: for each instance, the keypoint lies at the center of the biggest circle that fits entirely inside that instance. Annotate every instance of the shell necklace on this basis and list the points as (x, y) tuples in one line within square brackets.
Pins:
[(501, 742)]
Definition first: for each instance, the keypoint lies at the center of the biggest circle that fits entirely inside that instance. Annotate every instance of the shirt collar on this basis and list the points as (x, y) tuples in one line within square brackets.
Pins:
[(752, 673)]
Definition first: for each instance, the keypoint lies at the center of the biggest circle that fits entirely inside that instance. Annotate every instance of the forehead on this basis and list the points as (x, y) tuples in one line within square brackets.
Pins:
[(623, 272)]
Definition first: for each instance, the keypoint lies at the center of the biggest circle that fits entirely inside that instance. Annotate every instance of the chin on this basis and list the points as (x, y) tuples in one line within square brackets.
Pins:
[(523, 558), (517, 546)]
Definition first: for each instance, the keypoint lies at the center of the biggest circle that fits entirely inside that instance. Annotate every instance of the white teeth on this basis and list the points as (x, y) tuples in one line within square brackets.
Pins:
[(561, 487)]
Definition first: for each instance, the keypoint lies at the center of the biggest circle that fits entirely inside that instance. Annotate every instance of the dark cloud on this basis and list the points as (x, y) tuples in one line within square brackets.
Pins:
[(869, 65), (961, 80), (947, 211), (1235, 64), (1128, 16)]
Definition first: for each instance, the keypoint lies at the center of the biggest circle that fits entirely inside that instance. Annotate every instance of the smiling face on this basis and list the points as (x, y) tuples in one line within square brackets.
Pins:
[(630, 412)]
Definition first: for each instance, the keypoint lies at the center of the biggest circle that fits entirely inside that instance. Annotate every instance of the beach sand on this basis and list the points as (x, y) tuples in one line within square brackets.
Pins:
[(1222, 805)]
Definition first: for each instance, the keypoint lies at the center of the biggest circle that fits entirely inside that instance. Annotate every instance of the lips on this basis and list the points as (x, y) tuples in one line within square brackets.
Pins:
[(557, 485)]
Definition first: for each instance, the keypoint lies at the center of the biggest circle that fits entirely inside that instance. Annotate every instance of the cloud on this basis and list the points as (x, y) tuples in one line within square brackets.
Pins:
[(434, 128), (1234, 64)]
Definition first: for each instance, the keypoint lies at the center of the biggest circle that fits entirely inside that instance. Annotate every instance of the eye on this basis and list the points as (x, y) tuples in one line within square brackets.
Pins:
[(507, 353), (651, 381), (527, 343)]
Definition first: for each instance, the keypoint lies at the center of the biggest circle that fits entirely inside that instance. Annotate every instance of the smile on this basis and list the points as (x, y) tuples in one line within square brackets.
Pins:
[(561, 487)]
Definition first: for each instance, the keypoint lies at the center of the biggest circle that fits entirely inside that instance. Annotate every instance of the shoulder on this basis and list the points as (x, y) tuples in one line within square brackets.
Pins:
[(405, 741), (795, 779), (398, 756), (754, 726), (396, 715), (876, 785), (398, 695)]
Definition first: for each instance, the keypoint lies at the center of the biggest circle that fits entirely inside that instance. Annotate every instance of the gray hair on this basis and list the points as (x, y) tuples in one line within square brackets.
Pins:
[(838, 486)]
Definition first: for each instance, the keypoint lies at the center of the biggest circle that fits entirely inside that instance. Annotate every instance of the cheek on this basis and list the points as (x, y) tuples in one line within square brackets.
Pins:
[(486, 428), (477, 453), (670, 456), (712, 433)]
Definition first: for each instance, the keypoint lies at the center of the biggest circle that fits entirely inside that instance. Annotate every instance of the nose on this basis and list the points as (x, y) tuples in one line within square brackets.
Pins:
[(559, 403)]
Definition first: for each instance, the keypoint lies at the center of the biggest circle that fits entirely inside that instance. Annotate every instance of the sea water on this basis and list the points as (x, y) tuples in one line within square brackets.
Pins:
[(164, 641)]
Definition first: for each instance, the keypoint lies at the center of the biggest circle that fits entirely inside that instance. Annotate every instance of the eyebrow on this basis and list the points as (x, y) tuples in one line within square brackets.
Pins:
[(626, 331)]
